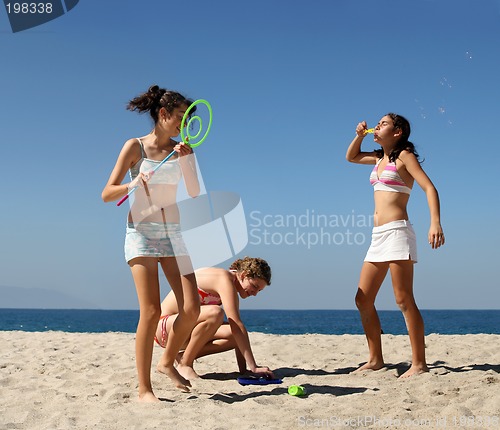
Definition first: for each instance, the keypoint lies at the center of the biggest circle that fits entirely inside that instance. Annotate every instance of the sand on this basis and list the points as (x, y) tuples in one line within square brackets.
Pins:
[(58, 380)]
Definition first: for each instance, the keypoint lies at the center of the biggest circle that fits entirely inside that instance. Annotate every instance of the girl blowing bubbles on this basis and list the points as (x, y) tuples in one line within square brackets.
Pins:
[(393, 245), (153, 234)]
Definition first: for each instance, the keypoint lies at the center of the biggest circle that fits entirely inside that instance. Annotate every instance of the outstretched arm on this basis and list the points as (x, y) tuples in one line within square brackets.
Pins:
[(436, 235), (230, 301)]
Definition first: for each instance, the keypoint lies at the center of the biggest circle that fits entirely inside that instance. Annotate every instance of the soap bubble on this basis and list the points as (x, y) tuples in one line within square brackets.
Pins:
[(444, 82), (421, 109)]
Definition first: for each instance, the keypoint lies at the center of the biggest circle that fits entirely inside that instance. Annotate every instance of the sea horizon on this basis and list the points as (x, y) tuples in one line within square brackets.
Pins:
[(271, 321)]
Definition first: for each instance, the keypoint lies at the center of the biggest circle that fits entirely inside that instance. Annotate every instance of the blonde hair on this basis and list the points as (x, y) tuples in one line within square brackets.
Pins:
[(253, 267)]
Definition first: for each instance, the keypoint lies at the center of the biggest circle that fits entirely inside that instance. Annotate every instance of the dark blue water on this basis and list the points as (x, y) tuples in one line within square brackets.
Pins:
[(264, 321)]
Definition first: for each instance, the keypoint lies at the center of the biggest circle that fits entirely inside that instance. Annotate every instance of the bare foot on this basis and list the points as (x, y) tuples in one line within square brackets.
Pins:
[(187, 372), (414, 370), (371, 365), (148, 397), (179, 381)]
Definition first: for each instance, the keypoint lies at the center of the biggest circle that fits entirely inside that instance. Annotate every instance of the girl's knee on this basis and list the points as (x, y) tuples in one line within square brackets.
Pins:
[(191, 313), (405, 303), (151, 314), (402, 307), (362, 300), (215, 314)]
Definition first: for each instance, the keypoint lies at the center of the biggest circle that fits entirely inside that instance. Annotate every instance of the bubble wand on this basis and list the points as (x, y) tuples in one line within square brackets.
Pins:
[(184, 137), (369, 130)]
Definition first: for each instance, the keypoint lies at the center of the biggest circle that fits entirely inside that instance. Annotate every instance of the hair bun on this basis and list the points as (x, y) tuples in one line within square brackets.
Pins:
[(156, 93), (153, 89)]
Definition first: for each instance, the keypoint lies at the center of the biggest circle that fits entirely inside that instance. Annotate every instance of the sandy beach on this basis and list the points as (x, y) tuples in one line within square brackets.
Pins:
[(58, 380)]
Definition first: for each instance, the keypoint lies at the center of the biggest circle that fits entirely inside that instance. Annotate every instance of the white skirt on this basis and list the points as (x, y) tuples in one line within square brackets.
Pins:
[(393, 241)]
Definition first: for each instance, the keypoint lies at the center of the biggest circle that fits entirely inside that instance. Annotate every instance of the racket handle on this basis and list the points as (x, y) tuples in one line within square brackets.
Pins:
[(126, 196), (151, 173)]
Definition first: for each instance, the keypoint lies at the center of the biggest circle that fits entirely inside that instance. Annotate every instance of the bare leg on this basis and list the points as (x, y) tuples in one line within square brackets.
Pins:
[(215, 346), (223, 340), (402, 282), (186, 294), (145, 274), (210, 319), (371, 278)]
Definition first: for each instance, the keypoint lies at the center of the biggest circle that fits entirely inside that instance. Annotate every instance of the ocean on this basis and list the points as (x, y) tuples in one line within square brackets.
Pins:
[(265, 321)]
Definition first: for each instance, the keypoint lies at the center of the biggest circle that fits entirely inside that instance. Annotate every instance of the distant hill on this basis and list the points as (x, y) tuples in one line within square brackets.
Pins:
[(40, 298)]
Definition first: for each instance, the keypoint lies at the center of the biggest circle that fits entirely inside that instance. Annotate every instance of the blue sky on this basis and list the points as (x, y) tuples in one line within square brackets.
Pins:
[(288, 82)]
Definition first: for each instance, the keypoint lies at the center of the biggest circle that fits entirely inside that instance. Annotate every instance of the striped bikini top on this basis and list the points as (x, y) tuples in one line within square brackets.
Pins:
[(389, 179), (168, 173)]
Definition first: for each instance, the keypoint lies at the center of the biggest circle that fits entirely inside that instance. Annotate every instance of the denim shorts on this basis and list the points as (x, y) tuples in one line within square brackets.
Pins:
[(151, 239)]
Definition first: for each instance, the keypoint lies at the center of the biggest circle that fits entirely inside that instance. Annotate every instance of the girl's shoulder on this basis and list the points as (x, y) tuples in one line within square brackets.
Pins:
[(132, 151), (406, 156), (211, 271), (133, 146), (211, 278)]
